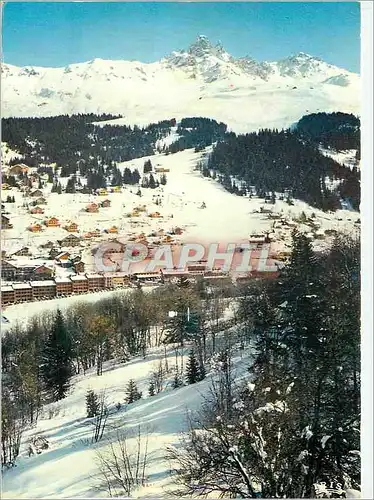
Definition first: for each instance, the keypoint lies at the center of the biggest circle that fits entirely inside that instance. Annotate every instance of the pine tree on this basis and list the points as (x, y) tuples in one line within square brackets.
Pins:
[(92, 404), (177, 381), (56, 367), (59, 188), (152, 183), (147, 166), (151, 388), (193, 372), (132, 392), (163, 179)]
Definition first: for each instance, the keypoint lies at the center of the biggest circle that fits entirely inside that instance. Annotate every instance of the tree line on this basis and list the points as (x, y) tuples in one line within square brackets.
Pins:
[(295, 420), (272, 161)]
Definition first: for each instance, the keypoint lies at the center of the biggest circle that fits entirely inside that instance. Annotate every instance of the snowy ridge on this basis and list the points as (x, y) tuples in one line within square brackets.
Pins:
[(203, 80)]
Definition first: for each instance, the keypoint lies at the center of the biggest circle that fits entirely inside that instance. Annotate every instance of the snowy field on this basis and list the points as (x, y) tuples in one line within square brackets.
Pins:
[(181, 200)]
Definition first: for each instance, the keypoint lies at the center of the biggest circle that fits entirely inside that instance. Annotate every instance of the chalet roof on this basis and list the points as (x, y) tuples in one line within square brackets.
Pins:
[(71, 236), (45, 267), (60, 255)]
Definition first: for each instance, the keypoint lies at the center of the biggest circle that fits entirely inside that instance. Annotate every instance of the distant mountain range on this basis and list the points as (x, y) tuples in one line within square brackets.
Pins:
[(203, 80)]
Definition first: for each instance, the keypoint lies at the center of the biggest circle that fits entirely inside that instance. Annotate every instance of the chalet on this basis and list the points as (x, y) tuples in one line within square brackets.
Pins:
[(112, 230), (92, 208), (54, 252), (102, 192), (141, 208), (52, 222), (116, 189), (161, 170), (43, 272), (37, 210), (105, 203), (22, 292), (5, 222), (79, 267), (155, 215), (95, 282), (64, 286), (22, 252), (40, 201), (178, 231), (71, 227), (80, 284), (43, 289), (115, 246), (63, 259), (70, 241), (7, 295), (36, 194), (35, 228), (5, 186), (18, 169), (75, 258)]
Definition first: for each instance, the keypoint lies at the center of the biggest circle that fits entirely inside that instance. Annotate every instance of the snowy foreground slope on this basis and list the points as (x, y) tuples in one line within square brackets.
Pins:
[(203, 80), (68, 469)]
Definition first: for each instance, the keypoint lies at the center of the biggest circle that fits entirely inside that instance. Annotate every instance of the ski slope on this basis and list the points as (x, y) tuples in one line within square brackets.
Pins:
[(68, 469)]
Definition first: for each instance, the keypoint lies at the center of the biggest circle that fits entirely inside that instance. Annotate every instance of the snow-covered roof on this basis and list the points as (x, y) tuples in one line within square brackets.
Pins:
[(116, 275), (42, 283), (6, 289), (20, 286), (62, 280), (78, 278), (94, 276)]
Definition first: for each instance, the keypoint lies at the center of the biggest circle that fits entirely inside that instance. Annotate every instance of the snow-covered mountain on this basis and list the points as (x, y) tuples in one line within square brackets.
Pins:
[(203, 80)]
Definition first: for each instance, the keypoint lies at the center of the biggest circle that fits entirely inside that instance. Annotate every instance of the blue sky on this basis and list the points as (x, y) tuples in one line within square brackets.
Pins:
[(57, 34)]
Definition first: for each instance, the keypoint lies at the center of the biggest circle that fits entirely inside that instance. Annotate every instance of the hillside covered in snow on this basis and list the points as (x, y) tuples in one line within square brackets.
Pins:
[(203, 80)]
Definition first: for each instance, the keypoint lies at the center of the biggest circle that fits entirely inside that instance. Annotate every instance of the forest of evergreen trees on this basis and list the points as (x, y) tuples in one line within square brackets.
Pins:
[(278, 161), (75, 144), (197, 133), (269, 160), (339, 131)]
